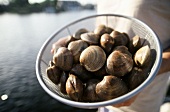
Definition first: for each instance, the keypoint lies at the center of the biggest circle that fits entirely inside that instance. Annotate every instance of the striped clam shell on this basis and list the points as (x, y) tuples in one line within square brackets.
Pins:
[(93, 58)]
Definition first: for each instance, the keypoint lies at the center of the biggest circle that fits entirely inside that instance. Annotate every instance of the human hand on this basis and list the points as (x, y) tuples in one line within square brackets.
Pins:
[(127, 102), (165, 62)]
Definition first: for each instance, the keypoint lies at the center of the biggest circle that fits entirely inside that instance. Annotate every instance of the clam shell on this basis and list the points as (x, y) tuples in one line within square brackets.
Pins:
[(127, 37), (74, 87), (142, 56), (120, 39), (99, 74), (63, 80), (100, 30), (134, 44), (136, 77), (110, 87), (63, 59), (93, 58), (107, 43), (76, 47), (89, 94), (79, 32), (81, 72), (62, 42), (90, 38), (119, 63), (108, 30), (54, 74), (123, 49)]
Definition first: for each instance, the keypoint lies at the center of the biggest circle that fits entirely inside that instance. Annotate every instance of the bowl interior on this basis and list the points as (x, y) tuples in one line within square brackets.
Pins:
[(130, 25)]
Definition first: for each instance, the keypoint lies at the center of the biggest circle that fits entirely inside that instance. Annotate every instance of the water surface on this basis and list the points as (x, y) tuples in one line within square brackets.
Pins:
[(21, 37)]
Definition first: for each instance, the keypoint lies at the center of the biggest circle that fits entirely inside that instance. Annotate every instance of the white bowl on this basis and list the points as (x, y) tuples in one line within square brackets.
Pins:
[(136, 27)]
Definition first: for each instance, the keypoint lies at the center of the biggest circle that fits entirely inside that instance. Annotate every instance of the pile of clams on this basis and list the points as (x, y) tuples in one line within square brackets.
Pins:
[(98, 65)]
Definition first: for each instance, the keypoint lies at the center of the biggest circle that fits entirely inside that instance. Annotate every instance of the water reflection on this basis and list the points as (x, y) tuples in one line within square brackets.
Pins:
[(21, 37)]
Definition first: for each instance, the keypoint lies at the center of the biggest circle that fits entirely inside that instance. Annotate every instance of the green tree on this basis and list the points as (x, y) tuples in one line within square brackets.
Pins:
[(20, 3)]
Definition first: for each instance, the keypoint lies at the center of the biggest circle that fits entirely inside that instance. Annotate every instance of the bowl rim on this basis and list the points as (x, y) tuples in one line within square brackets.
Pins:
[(108, 102)]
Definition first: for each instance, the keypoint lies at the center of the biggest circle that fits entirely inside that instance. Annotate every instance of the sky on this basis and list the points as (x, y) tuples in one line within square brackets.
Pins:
[(39, 1)]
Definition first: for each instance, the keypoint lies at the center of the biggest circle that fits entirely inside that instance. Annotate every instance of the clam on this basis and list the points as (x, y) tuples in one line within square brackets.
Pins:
[(90, 38), (63, 80), (106, 42), (63, 59), (81, 72), (120, 39), (54, 73), (123, 49), (136, 77), (134, 44), (89, 94), (74, 87), (69, 39), (62, 42), (76, 47), (100, 30), (108, 30), (142, 56), (119, 62), (93, 58), (99, 74), (111, 87), (79, 32), (127, 37), (114, 33)]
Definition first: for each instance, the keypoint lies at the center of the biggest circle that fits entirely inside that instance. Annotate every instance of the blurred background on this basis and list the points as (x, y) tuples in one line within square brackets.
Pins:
[(24, 26)]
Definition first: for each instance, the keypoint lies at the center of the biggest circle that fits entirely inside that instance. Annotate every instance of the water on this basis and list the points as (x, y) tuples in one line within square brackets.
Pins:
[(21, 37)]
